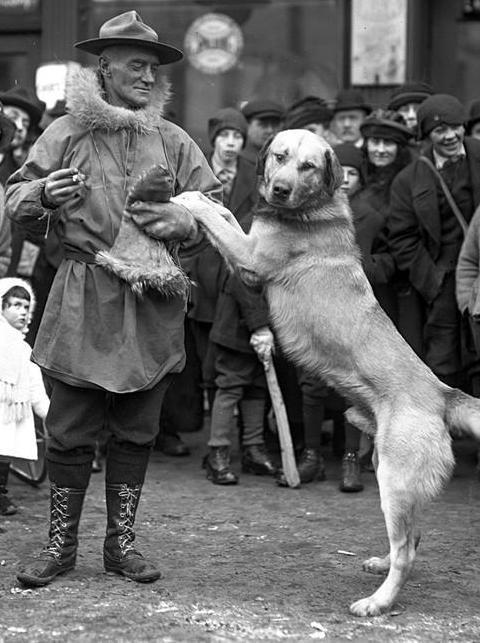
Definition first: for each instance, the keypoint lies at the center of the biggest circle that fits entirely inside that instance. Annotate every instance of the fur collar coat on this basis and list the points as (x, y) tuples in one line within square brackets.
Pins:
[(95, 331)]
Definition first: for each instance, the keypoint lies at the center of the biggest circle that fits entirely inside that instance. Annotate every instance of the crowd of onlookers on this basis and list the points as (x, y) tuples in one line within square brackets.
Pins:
[(412, 177)]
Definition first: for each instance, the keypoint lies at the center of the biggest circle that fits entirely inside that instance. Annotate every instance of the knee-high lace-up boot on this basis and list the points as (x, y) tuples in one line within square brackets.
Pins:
[(60, 553), (119, 553)]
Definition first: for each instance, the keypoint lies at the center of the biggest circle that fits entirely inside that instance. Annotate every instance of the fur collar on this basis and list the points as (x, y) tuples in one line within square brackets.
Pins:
[(86, 103)]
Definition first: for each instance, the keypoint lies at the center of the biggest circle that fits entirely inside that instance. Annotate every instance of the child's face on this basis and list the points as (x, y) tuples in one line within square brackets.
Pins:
[(351, 180), (228, 144), (16, 312)]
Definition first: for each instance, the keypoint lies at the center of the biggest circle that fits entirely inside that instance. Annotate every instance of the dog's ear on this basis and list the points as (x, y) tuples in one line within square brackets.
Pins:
[(333, 175), (262, 156)]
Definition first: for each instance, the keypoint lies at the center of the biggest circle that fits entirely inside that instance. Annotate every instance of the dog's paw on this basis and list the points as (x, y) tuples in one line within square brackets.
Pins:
[(376, 565), (366, 607)]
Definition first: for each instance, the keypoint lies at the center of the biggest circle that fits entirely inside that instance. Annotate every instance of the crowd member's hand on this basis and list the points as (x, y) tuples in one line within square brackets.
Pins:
[(165, 221), (263, 342), (62, 185)]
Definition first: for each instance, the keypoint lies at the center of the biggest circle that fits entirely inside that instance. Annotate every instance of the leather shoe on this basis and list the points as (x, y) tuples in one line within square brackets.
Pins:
[(173, 445), (217, 464), (311, 466), (350, 482), (255, 459)]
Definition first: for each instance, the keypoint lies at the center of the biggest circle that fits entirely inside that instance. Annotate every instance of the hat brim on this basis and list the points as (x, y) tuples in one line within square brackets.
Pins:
[(266, 115), (348, 108), (166, 53), (32, 110), (7, 132), (405, 99)]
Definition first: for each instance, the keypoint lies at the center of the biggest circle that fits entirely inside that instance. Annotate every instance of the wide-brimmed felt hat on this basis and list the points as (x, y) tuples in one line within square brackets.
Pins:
[(413, 92), (310, 109), (262, 108), (386, 124), (348, 99), (7, 130), (24, 99), (129, 29), (473, 115), (439, 109)]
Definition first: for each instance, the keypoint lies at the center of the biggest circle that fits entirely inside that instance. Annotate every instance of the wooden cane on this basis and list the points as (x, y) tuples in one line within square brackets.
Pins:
[(288, 457)]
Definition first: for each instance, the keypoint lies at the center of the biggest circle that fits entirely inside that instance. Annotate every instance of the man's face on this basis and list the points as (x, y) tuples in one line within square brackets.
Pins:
[(260, 129), (21, 120), (447, 140), (409, 113), (475, 132), (227, 145), (129, 74), (15, 312), (346, 124)]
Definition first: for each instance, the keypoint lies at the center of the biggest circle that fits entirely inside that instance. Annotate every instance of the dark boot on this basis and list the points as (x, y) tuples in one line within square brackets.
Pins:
[(7, 507), (255, 459), (60, 554), (119, 553), (217, 464), (351, 473), (172, 444), (311, 467)]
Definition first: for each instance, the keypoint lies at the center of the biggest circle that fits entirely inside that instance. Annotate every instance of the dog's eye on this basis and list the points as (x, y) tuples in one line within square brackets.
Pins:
[(307, 166), (279, 157)]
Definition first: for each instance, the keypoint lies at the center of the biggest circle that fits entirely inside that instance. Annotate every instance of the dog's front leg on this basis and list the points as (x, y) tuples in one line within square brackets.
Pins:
[(222, 230)]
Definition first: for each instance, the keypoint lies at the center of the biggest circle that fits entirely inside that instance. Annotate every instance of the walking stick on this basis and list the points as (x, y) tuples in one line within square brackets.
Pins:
[(288, 457)]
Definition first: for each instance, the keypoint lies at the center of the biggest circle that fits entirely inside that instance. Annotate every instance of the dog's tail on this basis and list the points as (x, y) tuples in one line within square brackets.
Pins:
[(462, 412)]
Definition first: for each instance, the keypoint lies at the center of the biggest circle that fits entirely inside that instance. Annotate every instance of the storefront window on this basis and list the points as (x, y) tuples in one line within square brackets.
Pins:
[(280, 49)]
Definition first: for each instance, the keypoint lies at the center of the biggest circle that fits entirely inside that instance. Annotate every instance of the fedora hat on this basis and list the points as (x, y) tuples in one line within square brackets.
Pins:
[(24, 99), (129, 29), (7, 130), (349, 99)]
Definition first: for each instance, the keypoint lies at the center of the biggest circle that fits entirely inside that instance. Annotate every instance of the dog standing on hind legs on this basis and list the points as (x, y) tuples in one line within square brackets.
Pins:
[(301, 251)]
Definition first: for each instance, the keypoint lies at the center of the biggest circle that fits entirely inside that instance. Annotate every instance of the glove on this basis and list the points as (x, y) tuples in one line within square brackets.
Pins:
[(263, 343)]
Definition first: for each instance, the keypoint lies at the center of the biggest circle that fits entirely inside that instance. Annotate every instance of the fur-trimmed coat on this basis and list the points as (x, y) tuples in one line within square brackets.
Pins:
[(95, 332)]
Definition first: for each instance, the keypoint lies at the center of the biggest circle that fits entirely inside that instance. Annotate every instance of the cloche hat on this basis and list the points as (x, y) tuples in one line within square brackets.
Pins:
[(227, 118), (386, 124), (413, 92), (24, 99), (473, 115), (7, 130), (129, 29), (439, 109)]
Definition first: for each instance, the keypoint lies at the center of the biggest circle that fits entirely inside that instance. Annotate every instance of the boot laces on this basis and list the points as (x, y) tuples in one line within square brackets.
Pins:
[(128, 504), (59, 522)]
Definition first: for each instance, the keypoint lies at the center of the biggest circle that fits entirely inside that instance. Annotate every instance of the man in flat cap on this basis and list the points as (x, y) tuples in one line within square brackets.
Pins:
[(264, 117), (108, 353), (425, 234)]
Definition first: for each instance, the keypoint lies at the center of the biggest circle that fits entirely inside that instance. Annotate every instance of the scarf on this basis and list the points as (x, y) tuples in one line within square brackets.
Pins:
[(14, 374)]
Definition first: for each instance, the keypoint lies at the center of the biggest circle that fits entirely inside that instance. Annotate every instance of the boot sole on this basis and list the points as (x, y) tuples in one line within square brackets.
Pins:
[(211, 477), (33, 581), (146, 578)]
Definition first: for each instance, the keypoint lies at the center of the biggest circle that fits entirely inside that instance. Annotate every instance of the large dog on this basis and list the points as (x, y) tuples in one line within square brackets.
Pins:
[(301, 249)]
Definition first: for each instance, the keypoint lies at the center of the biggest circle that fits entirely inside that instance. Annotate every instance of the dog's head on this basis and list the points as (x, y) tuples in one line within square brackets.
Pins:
[(299, 167)]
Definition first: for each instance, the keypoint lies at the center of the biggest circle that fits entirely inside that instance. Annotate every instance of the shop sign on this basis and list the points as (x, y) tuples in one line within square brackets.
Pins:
[(51, 81), (22, 5), (213, 43)]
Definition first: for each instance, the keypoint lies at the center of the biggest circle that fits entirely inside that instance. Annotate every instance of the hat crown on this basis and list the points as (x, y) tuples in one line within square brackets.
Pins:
[(127, 25)]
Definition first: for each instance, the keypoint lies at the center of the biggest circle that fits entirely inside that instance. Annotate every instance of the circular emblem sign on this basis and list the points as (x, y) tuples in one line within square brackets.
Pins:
[(214, 43)]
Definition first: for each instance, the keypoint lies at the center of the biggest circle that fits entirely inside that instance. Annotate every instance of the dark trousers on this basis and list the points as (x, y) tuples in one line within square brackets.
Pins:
[(78, 416)]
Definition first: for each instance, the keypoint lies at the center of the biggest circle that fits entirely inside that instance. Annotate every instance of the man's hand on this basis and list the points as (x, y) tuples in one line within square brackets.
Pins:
[(62, 185), (165, 221), (263, 343)]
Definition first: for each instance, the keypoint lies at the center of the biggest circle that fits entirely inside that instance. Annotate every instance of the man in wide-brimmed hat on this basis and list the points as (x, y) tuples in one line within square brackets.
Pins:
[(7, 131), (108, 352), (348, 114)]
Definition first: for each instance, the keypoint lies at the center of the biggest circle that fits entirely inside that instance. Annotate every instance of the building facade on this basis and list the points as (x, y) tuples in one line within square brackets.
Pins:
[(282, 49)]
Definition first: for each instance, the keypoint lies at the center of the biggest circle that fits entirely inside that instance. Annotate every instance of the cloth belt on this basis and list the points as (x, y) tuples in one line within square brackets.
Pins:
[(78, 255)]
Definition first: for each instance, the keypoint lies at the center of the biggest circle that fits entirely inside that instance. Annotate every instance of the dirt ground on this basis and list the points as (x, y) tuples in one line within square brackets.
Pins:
[(249, 563)]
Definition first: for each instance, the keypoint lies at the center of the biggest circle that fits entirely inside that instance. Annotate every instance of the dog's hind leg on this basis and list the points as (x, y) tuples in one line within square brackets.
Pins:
[(398, 509), (377, 564)]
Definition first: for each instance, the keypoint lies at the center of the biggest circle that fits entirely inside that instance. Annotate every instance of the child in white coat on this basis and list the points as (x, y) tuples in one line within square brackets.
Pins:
[(22, 391)]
